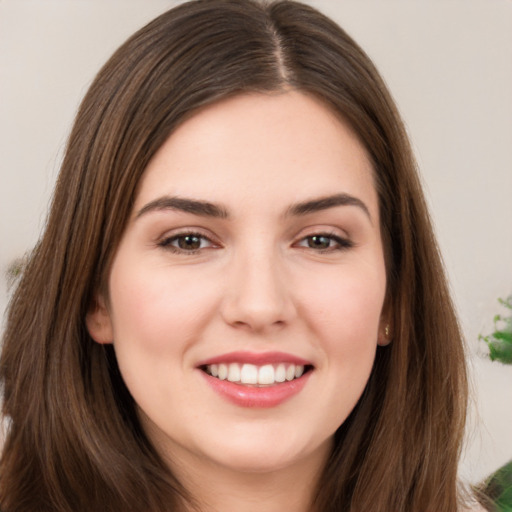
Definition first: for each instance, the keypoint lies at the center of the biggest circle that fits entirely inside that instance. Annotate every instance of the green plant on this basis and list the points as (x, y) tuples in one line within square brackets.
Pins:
[(500, 341), (496, 491)]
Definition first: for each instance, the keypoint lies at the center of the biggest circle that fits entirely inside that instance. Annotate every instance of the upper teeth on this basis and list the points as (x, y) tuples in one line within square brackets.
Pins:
[(252, 374)]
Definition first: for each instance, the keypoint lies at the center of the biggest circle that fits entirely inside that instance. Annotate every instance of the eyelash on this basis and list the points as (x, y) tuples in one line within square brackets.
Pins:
[(340, 244)]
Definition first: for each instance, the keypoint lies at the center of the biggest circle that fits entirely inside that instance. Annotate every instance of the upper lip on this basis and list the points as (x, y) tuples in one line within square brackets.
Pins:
[(255, 358)]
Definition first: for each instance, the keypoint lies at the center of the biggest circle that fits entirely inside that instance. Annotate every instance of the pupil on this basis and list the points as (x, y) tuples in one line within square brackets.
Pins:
[(319, 242), (189, 242)]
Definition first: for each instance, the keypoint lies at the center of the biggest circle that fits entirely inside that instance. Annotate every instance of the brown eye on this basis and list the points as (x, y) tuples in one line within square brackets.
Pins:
[(324, 242), (189, 242), (186, 243), (319, 242)]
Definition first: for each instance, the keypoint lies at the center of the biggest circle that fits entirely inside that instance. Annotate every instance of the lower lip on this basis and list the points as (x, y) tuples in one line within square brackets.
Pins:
[(257, 397)]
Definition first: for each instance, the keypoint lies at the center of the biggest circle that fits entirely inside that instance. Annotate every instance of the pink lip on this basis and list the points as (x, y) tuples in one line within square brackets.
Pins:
[(255, 358), (257, 397)]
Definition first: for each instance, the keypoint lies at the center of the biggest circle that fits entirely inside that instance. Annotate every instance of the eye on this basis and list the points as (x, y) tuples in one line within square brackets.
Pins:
[(186, 243), (324, 242)]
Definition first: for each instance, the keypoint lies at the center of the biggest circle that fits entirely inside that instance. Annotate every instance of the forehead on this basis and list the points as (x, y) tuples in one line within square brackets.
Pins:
[(280, 147)]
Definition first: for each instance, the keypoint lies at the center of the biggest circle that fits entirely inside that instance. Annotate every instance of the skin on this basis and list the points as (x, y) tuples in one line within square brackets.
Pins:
[(257, 283)]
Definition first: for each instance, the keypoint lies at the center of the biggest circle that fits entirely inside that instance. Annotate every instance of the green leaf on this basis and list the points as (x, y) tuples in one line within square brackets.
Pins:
[(500, 352), (506, 302), (505, 336), (500, 341), (498, 488)]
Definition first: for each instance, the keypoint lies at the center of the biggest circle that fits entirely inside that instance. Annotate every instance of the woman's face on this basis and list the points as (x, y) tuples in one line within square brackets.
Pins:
[(246, 294)]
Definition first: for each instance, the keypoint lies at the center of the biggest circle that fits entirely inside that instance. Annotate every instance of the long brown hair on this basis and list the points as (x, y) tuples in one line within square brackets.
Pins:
[(74, 442)]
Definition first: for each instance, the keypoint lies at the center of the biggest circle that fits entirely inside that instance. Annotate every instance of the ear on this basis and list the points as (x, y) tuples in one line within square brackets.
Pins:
[(98, 321)]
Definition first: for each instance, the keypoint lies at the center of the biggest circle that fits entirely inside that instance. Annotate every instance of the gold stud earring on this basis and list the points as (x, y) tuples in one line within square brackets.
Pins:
[(386, 331)]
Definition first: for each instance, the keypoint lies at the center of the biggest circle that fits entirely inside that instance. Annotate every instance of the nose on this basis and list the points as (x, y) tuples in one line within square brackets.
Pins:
[(259, 297)]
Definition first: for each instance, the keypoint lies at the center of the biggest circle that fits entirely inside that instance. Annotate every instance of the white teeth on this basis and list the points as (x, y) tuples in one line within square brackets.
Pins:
[(249, 374), (223, 371), (234, 372), (290, 372), (280, 374), (265, 375)]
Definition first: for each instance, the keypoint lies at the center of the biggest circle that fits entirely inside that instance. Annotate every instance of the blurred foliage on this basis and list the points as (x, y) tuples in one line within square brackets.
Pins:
[(496, 492), (15, 269), (500, 341)]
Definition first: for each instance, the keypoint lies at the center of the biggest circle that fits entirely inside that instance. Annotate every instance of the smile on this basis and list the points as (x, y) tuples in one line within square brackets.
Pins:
[(256, 375), (256, 380)]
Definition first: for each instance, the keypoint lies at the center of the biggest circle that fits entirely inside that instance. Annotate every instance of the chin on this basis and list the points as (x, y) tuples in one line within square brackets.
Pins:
[(258, 462), (267, 456)]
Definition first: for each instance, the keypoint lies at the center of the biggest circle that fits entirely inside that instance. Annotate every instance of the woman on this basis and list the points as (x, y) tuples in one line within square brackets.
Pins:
[(238, 301)]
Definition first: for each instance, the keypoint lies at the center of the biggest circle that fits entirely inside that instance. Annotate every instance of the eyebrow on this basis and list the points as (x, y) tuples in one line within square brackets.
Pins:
[(207, 209), (196, 207), (324, 203)]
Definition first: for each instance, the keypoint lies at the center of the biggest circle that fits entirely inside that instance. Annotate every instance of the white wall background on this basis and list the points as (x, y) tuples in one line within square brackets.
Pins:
[(448, 64)]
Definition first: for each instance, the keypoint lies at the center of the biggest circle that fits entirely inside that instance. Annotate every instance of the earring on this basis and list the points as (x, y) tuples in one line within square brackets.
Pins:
[(386, 331)]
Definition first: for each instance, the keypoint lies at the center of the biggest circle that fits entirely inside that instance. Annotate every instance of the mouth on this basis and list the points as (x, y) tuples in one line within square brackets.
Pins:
[(247, 374), (256, 380)]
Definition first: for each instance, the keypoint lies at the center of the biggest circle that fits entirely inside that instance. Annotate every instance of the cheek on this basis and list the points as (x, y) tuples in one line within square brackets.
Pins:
[(346, 323), (345, 316), (157, 314), (157, 310), (350, 305)]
